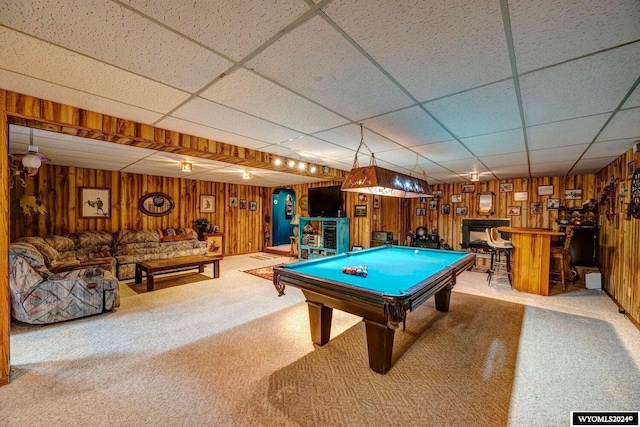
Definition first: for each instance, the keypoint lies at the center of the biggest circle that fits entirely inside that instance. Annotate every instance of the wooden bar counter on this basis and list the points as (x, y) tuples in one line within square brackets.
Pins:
[(531, 258)]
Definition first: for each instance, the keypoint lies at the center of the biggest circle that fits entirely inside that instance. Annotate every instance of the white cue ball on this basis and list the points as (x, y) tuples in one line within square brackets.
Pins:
[(416, 251)]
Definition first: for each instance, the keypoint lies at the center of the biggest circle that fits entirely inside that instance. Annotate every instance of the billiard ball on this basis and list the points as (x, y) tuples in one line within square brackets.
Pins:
[(416, 251)]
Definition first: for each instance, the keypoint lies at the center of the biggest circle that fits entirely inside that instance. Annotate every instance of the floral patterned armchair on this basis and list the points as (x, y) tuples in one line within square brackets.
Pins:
[(39, 296)]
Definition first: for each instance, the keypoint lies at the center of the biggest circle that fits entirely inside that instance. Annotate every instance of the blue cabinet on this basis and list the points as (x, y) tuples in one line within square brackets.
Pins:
[(320, 237)]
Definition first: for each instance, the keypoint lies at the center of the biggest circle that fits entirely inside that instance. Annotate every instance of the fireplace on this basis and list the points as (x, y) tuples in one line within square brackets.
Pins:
[(474, 236)]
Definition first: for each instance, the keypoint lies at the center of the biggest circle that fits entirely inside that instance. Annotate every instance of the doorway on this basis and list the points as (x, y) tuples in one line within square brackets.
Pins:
[(283, 202)]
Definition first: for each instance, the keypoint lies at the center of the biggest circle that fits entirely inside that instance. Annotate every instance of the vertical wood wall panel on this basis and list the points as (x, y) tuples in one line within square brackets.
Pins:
[(5, 310)]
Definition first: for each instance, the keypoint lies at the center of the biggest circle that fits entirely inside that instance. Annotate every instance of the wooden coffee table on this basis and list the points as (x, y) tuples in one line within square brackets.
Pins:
[(170, 265)]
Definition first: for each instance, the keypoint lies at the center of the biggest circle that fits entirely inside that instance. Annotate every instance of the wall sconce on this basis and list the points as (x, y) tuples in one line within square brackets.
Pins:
[(246, 175), (186, 166)]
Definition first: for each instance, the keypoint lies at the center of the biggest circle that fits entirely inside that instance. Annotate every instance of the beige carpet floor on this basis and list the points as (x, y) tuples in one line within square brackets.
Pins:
[(229, 352)]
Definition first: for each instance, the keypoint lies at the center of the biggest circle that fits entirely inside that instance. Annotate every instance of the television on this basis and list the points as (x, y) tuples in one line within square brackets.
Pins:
[(325, 201)]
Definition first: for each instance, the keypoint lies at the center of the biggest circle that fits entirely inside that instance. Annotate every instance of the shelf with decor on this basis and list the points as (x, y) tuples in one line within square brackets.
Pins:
[(321, 237)]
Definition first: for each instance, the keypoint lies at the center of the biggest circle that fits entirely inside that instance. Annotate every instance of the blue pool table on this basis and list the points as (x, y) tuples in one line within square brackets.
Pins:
[(399, 279)]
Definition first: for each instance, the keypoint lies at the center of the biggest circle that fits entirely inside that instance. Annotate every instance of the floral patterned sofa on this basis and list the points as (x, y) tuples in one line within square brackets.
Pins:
[(39, 296)]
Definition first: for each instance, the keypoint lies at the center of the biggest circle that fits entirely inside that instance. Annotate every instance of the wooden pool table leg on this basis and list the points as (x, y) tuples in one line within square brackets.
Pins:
[(442, 297), (380, 346), (320, 321)]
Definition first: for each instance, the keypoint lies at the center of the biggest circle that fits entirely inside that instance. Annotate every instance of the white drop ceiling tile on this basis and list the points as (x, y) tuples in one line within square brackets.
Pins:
[(507, 172), (431, 48), (408, 127), (634, 99), (400, 157), (202, 131), (45, 90), (547, 32), (246, 91), (90, 146), (31, 57), (163, 171), (566, 132), (465, 167), (551, 168), (592, 85), (511, 141), (448, 178), (317, 147), (234, 28), (317, 62), (218, 116), (349, 136), (625, 124), (597, 163), (558, 154), (609, 148), (277, 150), (503, 160), (430, 167), (443, 151), (126, 39), (488, 109)]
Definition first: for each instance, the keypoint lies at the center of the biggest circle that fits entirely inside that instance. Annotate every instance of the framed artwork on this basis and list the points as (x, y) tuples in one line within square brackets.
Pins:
[(362, 198), (456, 198), (573, 194), (444, 209), (360, 210), (545, 190), (422, 200), (535, 208), (304, 203), (433, 205), (513, 210), (421, 212), (631, 167), (156, 204), (520, 196), (243, 203), (376, 201), (94, 202), (553, 204), (437, 194), (507, 187), (233, 202), (461, 210), (253, 206), (215, 245), (207, 203), (468, 188)]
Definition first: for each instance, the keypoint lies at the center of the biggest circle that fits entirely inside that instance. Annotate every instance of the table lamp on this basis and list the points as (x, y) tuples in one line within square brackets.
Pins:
[(295, 222)]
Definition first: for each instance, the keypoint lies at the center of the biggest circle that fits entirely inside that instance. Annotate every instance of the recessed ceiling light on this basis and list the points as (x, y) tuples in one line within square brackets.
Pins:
[(474, 177), (302, 166), (313, 169), (277, 162), (186, 166), (291, 163)]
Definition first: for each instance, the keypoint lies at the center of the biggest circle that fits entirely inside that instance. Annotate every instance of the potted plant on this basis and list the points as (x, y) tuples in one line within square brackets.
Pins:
[(202, 225)]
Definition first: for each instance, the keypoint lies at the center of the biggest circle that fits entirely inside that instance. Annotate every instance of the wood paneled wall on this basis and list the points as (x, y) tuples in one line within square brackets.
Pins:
[(57, 188), (619, 257), (5, 318)]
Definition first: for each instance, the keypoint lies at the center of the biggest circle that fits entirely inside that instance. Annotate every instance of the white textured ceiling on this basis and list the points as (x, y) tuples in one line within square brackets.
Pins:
[(503, 88)]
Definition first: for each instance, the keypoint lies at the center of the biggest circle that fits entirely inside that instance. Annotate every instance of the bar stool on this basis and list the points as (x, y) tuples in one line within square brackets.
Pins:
[(498, 263), (562, 254)]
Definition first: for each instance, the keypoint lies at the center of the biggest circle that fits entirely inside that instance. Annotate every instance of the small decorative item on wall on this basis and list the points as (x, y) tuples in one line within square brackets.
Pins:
[(520, 196), (573, 194), (535, 208), (513, 210), (233, 202), (631, 166), (456, 198), (422, 200), (545, 190), (421, 212), (94, 202), (360, 210), (243, 203), (376, 201), (553, 204), (207, 203), (444, 209), (506, 187), (362, 198), (437, 194), (304, 203), (156, 204), (253, 205), (433, 205), (469, 188), (215, 245), (461, 210)]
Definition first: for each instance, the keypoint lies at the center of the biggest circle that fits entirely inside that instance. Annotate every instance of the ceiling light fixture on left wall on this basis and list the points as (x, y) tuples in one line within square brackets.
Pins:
[(186, 166)]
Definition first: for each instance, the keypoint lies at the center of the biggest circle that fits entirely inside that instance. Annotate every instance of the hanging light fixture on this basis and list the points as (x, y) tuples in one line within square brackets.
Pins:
[(186, 166), (474, 177), (373, 179)]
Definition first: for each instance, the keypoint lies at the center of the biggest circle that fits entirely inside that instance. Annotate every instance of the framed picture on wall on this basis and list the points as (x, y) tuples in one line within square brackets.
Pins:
[(535, 208), (422, 200), (553, 204), (513, 210), (94, 202), (545, 190), (433, 205), (520, 196), (437, 194), (456, 198), (444, 209), (421, 212), (376, 201), (573, 194), (243, 203), (207, 203), (506, 187), (253, 206), (468, 188), (461, 210), (360, 210), (233, 202)]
